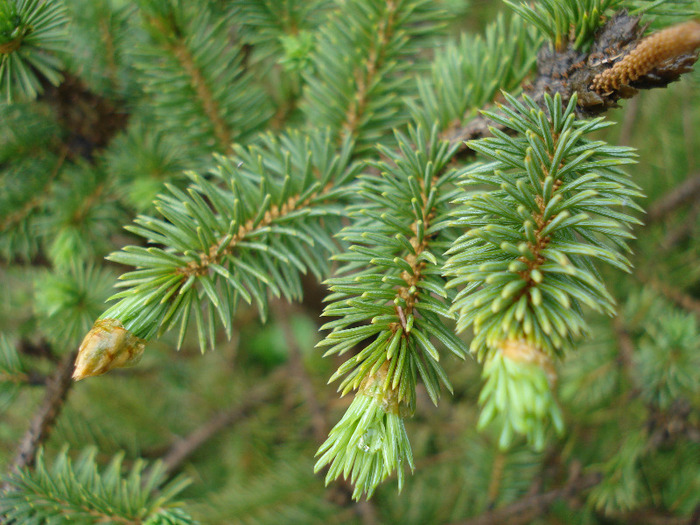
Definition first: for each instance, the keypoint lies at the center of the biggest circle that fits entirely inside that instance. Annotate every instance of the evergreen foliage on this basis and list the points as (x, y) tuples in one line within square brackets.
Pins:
[(31, 32), (200, 90), (66, 301), (468, 74), (435, 194), (360, 96), (524, 263), (254, 233), (80, 493)]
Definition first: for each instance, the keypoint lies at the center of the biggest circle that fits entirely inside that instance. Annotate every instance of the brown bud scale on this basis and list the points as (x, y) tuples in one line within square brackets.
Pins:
[(522, 351)]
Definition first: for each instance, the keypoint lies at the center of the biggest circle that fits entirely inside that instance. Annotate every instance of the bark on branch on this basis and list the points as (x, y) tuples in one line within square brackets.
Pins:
[(57, 388)]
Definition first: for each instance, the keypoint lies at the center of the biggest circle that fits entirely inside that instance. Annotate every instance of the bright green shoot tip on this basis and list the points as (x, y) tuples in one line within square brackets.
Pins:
[(517, 396), (366, 446)]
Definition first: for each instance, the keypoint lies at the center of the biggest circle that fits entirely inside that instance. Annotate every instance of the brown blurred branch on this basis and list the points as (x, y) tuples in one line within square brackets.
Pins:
[(529, 507), (684, 230), (684, 193), (283, 312), (183, 448), (625, 346), (57, 388), (650, 517)]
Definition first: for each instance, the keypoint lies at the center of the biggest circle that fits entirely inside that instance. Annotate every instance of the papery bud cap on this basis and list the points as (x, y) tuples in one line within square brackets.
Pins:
[(106, 346), (522, 351)]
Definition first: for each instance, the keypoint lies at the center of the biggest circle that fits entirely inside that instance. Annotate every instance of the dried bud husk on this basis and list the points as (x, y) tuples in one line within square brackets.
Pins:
[(522, 351), (106, 346)]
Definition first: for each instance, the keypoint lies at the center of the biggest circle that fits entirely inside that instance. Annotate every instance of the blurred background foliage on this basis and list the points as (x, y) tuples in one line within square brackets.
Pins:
[(91, 153)]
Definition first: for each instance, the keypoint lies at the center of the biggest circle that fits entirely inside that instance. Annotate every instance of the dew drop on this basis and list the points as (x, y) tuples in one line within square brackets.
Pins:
[(371, 441)]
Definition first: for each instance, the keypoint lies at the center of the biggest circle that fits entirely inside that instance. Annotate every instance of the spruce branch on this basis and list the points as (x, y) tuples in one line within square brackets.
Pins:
[(80, 493), (224, 244), (22, 202), (66, 301), (100, 35), (31, 32), (204, 94), (267, 24), (469, 74), (391, 278), (568, 20), (391, 283), (518, 366), (556, 198), (78, 217), (193, 76), (201, 90), (570, 70), (360, 97), (524, 264), (370, 441), (141, 160)]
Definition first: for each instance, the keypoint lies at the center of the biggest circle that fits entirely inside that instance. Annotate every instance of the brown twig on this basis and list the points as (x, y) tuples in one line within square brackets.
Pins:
[(683, 230), (684, 193), (695, 518), (183, 448), (650, 517), (57, 389), (624, 341), (529, 507)]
